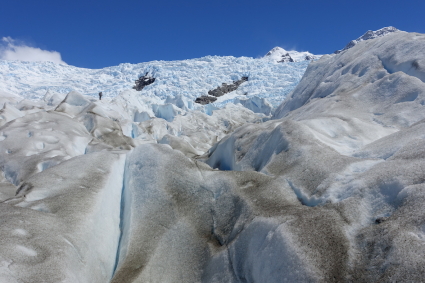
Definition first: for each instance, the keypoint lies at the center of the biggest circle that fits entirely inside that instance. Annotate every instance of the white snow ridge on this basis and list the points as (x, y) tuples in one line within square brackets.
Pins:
[(325, 185), (368, 35)]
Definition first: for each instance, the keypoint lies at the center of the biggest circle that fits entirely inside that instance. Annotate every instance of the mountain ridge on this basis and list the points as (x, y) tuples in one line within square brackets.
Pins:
[(369, 35), (280, 55)]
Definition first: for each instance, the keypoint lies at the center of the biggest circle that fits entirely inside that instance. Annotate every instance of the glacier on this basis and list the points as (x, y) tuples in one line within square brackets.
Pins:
[(186, 78), (315, 175)]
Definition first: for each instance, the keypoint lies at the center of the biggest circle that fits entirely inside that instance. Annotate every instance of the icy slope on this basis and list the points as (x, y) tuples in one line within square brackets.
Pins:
[(388, 80), (368, 35), (195, 224), (63, 225), (351, 138), (187, 78)]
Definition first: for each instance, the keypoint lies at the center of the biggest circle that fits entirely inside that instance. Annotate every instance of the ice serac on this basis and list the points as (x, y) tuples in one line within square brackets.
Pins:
[(199, 130), (162, 81), (350, 139), (63, 224), (257, 105), (51, 139)]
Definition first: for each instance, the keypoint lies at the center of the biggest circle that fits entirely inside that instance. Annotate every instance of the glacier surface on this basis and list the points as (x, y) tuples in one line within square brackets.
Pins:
[(187, 78), (149, 187)]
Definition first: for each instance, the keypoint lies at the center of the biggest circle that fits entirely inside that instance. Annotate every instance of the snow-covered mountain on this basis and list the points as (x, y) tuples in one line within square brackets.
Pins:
[(369, 35), (280, 55), (147, 186)]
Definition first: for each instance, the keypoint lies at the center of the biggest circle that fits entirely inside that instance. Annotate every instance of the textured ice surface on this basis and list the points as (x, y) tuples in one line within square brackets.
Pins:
[(195, 224), (50, 139), (329, 190), (63, 225), (368, 35), (350, 138), (188, 78)]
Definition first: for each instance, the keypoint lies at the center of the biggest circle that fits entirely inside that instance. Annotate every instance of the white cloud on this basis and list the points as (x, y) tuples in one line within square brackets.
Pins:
[(10, 49)]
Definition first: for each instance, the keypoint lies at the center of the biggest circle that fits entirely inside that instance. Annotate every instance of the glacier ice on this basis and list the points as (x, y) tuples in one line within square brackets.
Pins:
[(188, 78), (350, 137), (149, 187), (48, 236)]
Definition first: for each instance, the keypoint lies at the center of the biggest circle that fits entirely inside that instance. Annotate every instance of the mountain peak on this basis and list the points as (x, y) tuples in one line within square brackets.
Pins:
[(276, 49), (281, 55), (369, 35)]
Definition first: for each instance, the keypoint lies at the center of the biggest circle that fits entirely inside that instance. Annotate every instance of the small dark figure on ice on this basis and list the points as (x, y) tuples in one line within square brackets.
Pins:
[(100, 95)]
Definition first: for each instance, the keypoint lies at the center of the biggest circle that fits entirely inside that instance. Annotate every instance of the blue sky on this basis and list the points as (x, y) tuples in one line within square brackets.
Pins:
[(96, 34)]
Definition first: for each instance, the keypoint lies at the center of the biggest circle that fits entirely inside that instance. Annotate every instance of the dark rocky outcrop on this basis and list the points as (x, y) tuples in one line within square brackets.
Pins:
[(143, 81), (286, 58), (220, 91), (205, 99), (226, 88)]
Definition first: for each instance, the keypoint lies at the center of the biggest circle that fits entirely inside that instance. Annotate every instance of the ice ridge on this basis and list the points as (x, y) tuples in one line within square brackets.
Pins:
[(369, 35)]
